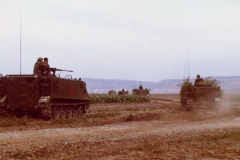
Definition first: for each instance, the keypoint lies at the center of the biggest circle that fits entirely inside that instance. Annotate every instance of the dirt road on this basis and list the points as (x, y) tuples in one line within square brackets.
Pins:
[(171, 134)]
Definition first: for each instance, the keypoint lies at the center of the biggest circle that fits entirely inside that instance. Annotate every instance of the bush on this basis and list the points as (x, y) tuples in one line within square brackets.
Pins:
[(211, 81), (186, 86), (104, 98)]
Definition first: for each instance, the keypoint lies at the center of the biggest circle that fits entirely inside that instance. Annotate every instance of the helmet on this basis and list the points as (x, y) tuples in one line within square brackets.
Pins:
[(198, 76), (40, 59)]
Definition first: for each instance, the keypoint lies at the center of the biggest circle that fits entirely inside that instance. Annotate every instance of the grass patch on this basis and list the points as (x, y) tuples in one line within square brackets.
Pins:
[(133, 109), (146, 116), (12, 121), (215, 137), (103, 113), (153, 148), (69, 121)]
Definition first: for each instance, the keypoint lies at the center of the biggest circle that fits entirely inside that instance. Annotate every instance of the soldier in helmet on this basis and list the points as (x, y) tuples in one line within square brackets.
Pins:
[(39, 60), (198, 80), (48, 67), (41, 67)]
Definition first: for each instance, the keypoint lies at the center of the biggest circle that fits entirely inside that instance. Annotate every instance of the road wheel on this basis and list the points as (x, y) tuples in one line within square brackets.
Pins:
[(80, 110), (63, 112), (86, 108), (185, 106), (75, 111), (56, 112), (69, 111)]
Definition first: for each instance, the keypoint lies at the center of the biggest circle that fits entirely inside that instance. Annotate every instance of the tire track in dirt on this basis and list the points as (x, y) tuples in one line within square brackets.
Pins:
[(12, 141), (124, 131)]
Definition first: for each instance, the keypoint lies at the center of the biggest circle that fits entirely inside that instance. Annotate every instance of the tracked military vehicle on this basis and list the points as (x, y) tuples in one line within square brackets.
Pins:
[(44, 93), (200, 93), (123, 92), (112, 92), (141, 91)]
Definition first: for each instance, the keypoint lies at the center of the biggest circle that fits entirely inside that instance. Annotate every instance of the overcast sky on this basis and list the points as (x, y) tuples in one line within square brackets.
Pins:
[(144, 40)]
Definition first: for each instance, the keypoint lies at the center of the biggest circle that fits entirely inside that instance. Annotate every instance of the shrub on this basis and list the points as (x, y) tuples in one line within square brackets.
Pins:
[(103, 98), (186, 86)]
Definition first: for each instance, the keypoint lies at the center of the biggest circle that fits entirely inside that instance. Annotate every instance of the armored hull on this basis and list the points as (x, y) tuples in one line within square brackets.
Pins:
[(141, 92), (122, 92), (112, 92), (50, 96), (207, 95)]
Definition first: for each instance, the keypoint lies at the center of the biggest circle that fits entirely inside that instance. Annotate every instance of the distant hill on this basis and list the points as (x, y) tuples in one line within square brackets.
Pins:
[(230, 85), (105, 85)]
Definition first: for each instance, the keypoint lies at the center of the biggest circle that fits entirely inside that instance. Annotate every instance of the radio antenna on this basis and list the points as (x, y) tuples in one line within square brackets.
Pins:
[(185, 68), (188, 62), (20, 44)]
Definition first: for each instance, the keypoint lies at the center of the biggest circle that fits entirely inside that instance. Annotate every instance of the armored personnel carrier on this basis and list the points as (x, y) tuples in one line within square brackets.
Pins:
[(112, 92), (200, 93), (45, 93), (141, 91), (123, 92)]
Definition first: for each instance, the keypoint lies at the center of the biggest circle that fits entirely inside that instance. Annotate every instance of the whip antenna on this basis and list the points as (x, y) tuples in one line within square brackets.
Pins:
[(20, 45), (188, 62)]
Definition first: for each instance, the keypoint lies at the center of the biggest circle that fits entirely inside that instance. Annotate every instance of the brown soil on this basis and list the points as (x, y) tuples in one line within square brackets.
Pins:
[(156, 130)]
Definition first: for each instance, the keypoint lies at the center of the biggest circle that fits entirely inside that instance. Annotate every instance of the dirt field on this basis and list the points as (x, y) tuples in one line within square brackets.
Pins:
[(156, 130)]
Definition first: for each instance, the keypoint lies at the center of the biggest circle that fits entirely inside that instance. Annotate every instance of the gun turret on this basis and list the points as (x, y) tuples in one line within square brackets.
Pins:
[(55, 69)]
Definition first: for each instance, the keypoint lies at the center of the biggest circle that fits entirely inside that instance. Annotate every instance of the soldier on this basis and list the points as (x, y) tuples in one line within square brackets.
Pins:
[(140, 87), (35, 71), (198, 80), (46, 61)]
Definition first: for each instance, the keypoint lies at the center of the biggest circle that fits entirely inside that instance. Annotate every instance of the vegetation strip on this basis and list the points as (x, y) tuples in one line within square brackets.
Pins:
[(104, 98)]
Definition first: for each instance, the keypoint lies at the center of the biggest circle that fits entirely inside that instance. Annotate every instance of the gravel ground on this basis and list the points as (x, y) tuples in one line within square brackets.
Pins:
[(123, 140)]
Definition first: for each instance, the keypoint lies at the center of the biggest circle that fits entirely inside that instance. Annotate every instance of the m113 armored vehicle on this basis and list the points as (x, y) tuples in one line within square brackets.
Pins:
[(112, 92), (201, 93), (141, 91), (123, 92), (45, 93)]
